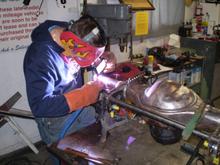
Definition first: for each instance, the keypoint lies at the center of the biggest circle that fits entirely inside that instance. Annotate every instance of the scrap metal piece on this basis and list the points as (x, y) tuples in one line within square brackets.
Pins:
[(7, 106), (10, 102), (5, 118), (87, 144), (7, 110)]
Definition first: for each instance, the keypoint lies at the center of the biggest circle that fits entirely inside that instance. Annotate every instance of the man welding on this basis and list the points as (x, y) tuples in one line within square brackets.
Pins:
[(56, 94)]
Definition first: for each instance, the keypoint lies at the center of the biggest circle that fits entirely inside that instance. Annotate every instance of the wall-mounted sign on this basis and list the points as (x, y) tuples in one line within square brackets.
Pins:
[(17, 22), (141, 24)]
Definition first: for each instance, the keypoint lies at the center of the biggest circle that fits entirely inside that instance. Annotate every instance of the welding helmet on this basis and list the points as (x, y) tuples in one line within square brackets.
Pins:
[(85, 41)]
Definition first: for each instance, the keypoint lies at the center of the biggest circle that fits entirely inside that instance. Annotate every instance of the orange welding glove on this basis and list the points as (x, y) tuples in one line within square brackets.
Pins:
[(83, 96)]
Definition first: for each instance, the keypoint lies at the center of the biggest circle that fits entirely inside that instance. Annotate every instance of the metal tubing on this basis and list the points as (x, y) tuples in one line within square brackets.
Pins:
[(17, 113), (195, 152), (160, 118), (19, 130)]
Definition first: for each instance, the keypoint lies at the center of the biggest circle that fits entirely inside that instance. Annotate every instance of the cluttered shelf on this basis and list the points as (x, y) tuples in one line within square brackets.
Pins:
[(210, 51), (181, 65)]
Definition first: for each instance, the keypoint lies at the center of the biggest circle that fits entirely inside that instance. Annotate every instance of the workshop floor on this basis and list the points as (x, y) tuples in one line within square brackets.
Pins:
[(142, 149)]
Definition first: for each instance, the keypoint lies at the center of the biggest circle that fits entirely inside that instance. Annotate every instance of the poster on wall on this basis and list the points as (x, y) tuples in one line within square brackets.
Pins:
[(17, 22)]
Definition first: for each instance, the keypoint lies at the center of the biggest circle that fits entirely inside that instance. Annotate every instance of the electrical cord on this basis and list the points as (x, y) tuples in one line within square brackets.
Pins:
[(38, 12), (27, 2), (212, 102)]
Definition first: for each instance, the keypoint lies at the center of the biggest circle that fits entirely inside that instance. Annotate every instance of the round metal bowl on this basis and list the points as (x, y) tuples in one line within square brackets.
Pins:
[(169, 96)]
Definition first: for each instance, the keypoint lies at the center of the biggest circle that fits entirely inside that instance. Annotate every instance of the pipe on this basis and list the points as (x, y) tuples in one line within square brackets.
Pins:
[(16, 127), (161, 119), (17, 113)]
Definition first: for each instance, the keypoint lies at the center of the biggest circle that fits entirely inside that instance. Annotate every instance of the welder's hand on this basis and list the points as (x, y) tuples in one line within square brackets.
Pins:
[(111, 61), (84, 96)]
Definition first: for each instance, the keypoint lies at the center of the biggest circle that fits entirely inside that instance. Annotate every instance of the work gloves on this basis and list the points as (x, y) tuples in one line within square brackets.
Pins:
[(84, 96)]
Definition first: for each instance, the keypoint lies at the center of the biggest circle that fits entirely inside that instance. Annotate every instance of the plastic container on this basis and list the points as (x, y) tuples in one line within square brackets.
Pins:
[(150, 63)]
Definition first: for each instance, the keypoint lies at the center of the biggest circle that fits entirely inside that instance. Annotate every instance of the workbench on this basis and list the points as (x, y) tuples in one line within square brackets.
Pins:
[(127, 144)]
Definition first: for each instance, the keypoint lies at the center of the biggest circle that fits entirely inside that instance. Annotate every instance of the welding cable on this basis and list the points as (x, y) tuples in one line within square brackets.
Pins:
[(69, 122)]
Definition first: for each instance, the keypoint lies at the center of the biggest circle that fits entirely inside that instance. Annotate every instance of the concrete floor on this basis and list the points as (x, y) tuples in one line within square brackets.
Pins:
[(27, 157), (142, 151)]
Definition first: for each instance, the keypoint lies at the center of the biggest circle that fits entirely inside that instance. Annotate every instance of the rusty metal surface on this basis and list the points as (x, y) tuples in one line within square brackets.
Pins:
[(11, 101), (86, 144), (133, 144), (4, 108)]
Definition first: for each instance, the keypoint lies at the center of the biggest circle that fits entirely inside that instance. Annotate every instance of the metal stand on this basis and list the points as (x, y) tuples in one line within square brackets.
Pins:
[(194, 152), (6, 111), (20, 131)]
